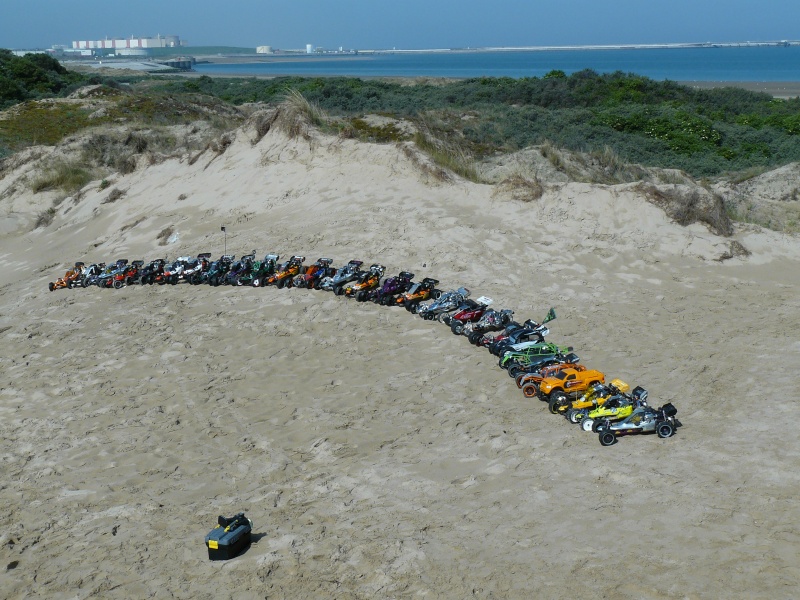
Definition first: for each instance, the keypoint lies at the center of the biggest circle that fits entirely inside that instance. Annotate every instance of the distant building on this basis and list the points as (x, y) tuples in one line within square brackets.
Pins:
[(166, 41), (26, 52), (264, 50)]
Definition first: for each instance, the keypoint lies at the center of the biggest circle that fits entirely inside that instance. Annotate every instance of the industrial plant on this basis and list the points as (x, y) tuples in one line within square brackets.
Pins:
[(133, 46)]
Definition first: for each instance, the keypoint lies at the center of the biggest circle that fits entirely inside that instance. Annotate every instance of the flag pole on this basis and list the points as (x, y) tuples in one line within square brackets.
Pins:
[(225, 231)]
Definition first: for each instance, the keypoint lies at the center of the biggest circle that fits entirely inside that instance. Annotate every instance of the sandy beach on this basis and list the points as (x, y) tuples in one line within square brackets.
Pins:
[(379, 455)]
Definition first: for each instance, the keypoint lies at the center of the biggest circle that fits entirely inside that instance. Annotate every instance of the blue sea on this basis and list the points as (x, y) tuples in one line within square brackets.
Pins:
[(768, 63)]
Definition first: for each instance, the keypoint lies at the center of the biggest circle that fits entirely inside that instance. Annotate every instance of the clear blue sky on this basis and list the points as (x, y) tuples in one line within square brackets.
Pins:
[(365, 24)]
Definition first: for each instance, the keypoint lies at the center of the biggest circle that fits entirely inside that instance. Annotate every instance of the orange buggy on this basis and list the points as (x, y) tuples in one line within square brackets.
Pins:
[(70, 278)]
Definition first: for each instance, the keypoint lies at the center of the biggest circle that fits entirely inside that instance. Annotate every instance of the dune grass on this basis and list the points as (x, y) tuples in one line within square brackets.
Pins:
[(67, 176), (448, 156)]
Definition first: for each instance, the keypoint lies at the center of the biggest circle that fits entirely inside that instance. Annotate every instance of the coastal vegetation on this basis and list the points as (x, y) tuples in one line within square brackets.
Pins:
[(654, 123), (32, 76), (631, 118), (599, 128)]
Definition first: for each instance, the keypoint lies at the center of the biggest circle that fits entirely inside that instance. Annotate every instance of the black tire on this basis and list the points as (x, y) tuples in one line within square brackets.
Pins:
[(340, 290), (436, 294), (119, 284), (457, 327), (51, 286), (574, 415), (197, 279), (558, 400), (529, 390), (281, 283), (664, 429), (607, 438), (514, 371)]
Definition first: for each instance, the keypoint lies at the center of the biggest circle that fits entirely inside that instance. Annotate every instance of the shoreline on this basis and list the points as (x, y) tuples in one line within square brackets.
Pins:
[(777, 89)]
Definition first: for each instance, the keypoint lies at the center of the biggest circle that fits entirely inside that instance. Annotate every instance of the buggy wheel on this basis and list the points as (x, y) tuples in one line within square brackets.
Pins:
[(280, 284), (361, 296), (340, 290), (664, 429), (436, 294), (574, 415), (51, 286), (588, 424), (607, 438), (529, 390), (558, 402), (457, 327), (119, 284), (515, 371)]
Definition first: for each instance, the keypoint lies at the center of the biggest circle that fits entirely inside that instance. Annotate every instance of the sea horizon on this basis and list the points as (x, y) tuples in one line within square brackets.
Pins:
[(665, 62)]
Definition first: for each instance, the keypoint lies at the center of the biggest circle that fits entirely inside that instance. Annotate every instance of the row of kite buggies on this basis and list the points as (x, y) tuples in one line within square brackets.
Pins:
[(541, 369)]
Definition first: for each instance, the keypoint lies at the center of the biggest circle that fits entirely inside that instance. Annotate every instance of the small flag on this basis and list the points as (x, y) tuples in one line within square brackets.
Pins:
[(222, 228), (551, 315)]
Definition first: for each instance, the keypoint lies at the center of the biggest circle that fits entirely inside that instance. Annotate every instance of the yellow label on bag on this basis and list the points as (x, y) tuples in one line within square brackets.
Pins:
[(213, 544)]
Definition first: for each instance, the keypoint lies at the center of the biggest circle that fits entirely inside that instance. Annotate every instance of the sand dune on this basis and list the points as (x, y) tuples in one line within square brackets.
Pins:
[(379, 455)]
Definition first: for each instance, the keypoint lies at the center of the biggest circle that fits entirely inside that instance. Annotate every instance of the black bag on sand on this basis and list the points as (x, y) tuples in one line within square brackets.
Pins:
[(229, 538)]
